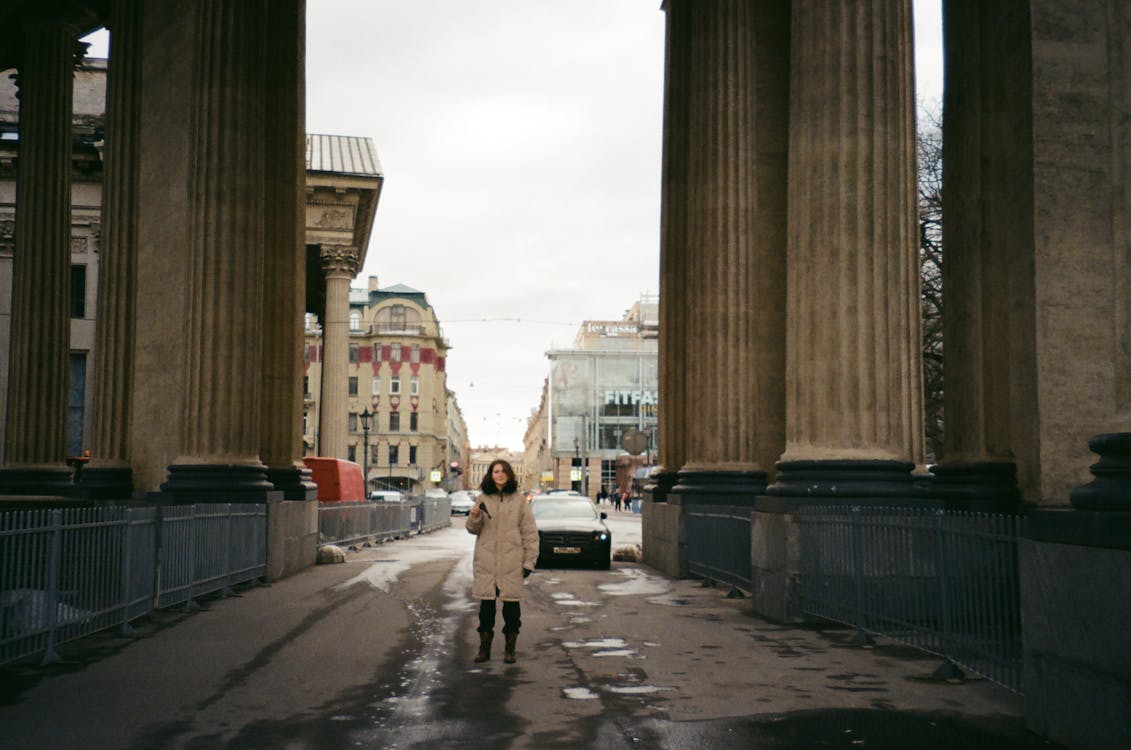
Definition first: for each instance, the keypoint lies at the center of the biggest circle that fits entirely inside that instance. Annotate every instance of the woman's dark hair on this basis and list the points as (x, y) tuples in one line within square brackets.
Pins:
[(488, 484)]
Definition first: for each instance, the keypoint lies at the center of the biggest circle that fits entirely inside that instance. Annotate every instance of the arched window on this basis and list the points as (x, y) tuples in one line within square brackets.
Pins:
[(355, 321)]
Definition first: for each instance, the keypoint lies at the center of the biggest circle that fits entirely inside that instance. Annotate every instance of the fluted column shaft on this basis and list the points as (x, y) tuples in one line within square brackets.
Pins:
[(673, 414), (854, 379), (987, 192), (285, 269), (35, 435), (735, 78), (117, 278), (225, 294), (340, 264)]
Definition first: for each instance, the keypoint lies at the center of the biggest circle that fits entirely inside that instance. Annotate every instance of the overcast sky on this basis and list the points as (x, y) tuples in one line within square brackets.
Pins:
[(520, 141)]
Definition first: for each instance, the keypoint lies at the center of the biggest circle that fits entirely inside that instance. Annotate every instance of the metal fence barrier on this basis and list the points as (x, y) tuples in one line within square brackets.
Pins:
[(718, 543), (66, 573), (344, 523), (944, 582)]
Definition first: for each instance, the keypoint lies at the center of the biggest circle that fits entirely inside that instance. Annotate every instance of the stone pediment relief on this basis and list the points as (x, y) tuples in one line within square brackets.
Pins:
[(333, 217)]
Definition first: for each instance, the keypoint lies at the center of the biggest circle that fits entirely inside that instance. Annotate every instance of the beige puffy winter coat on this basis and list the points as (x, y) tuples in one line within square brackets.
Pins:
[(506, 542)]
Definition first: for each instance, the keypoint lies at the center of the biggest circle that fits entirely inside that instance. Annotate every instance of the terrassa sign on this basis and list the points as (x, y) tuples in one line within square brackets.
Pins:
[(625, 398)]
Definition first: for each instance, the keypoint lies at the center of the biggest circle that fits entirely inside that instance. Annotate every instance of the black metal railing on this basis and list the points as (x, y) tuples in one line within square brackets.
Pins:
[(945, 582)]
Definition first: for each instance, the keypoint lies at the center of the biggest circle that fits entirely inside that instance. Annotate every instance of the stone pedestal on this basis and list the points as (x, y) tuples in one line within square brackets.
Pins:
[(986, 487)]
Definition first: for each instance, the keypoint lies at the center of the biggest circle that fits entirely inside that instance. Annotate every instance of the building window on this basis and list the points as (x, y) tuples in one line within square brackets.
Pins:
[(397, 317), (394, 421), (412, 455), (352, 421), (355, 321), (414, 386), (354, 354), (353, 385), (78, 291), (393, 451), (353, 453), (376, 386), (413, 421), (394, 386), (608, 474), (395, 352), (376, 352), (415, 353)]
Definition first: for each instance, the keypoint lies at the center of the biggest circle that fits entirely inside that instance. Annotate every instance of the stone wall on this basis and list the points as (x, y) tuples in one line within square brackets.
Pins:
[(663, 539), (292, 537), (1075, 606)]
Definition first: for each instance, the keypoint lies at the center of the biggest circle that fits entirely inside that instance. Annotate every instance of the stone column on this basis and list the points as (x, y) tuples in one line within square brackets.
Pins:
[(853, 378), (35, 434), (340, 264), (988, 195), (673, 256), (284, 287), (731, 225), (220, 439), (109, 475)]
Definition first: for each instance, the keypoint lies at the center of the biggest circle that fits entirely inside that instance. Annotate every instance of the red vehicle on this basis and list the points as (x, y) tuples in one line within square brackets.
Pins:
[(337, 480)]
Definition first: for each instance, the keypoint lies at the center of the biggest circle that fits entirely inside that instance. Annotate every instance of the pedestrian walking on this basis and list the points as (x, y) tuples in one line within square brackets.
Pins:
[(602, 495), (617, 493), (506, 551)]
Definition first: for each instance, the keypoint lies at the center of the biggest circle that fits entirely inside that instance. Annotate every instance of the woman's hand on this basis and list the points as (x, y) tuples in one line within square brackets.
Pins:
[(474, 512)]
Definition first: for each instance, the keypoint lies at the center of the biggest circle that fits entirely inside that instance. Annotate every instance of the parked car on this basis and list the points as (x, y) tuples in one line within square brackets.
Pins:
[(462, 501), (571, 530), (386, 496)]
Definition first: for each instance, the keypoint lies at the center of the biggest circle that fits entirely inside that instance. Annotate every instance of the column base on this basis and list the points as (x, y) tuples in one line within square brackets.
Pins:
[(294, 483), (105, 483), (707, 487), (845, 479), (40, 480), (1111, 488), (217, 483), (659, 486), (982, 486)]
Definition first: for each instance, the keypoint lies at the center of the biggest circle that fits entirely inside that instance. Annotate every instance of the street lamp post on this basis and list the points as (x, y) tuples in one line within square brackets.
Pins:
[(366, 419)]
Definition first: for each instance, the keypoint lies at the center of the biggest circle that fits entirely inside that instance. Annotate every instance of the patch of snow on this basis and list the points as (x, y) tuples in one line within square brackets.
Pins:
[(636, 583), (579, 693)]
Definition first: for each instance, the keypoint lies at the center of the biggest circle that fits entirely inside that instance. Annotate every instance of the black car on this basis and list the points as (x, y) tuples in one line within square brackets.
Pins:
[(571, 530)]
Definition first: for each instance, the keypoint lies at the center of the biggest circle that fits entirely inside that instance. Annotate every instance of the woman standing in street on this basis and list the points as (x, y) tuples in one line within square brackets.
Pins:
[(506, 551)]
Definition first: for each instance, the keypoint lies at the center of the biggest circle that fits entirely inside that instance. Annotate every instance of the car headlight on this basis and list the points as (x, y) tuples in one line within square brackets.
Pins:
[(601, 536)]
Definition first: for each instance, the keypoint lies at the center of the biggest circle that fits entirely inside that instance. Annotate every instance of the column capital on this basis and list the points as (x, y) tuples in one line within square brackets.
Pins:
[(340, 260)]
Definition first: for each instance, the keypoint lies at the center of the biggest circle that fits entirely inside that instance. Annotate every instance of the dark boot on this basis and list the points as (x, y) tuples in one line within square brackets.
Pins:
[(484, 647), (508, 652)]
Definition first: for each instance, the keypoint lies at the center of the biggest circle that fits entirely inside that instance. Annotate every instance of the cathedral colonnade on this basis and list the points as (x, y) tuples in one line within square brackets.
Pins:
[(788, 254), (814, 299)]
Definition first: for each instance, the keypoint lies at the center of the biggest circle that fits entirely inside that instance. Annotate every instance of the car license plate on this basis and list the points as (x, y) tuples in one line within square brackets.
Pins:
[(567, 550)]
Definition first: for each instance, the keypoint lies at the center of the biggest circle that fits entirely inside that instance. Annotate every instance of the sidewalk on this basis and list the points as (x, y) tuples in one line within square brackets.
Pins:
[(625, 658)]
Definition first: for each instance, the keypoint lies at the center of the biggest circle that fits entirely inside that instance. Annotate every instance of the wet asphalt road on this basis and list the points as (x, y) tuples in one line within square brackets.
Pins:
[(377, 653)]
